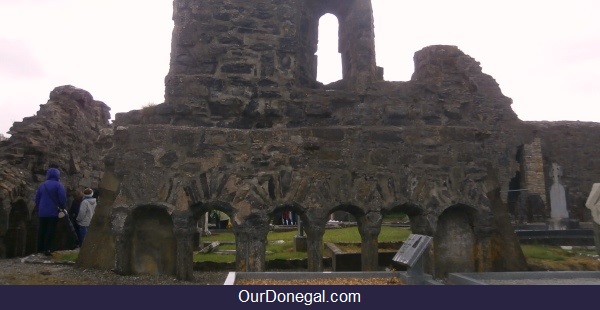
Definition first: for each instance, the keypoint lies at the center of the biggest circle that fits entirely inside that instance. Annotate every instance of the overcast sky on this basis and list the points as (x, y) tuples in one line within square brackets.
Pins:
[(544, 54)]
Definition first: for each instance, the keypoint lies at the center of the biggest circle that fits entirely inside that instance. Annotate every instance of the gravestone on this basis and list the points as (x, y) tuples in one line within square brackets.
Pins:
[(558, 202), (411, 256), (593, 203)]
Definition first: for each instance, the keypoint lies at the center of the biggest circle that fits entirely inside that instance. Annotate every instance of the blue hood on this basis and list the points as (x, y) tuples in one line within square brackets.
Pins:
[(53, 174)]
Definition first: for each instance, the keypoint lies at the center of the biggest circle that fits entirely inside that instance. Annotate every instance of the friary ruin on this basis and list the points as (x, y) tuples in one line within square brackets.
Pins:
[(248, 130)]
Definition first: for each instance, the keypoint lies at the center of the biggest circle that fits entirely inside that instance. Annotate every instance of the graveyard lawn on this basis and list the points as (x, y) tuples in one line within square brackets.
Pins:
[(551, 258), (281, 244)]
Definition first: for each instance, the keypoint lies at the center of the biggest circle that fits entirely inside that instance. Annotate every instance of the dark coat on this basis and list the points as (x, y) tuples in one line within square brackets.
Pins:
[(50, 195)]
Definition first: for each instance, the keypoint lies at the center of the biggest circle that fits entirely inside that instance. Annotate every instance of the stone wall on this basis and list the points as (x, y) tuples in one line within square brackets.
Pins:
[(62, 134), (572, 145), (534, 177), (247, 130)]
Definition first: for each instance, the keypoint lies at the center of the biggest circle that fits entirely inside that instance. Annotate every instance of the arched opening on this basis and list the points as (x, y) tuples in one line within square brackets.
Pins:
[(352, 241), (399, 222), (153, 245), (329, 61), (454, 241), (214, 240), (286, 247)]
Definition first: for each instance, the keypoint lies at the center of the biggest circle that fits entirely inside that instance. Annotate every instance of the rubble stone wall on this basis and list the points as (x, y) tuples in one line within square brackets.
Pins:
[(62, 134), (574, 146), (246, 129)]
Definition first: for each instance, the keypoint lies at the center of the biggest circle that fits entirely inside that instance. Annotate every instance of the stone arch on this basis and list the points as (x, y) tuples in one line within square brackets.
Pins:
[(297, 209), (454, 241), (418, 223), (416, 215), (201, 210), (151, 241), (20, 237), (250, 233), (299, 220), (369, 227)]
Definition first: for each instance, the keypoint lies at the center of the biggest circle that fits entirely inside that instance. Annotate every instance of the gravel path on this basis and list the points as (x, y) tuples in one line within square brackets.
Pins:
[(34, 270)]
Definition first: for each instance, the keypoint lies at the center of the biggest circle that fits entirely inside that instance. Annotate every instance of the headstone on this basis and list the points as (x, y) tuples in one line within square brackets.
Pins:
[(411, 255), (593, 202), (411, 251), (558, 198), (211, 247), (559, 216)]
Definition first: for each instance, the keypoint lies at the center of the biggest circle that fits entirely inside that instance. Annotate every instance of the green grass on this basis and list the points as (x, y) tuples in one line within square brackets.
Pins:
[(67, 256), (545, 252), (351, 235), (286, 250), (342, 235)]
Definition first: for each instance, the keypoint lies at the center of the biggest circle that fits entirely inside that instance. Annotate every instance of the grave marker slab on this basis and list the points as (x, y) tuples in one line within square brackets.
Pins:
[(412, 249)]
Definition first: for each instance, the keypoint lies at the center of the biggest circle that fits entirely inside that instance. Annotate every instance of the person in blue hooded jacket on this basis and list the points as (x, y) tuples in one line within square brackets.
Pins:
[(50, 198)]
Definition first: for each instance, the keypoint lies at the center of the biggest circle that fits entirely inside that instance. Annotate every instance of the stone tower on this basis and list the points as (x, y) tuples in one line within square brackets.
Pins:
[(246, 129), (222, 51)]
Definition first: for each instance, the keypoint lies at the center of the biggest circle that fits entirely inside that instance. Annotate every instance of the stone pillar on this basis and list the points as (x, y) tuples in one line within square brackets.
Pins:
[(122, 254), (251, 244), (122, 236), (369, 228), (184, 228), (483, 246), (314, 245)]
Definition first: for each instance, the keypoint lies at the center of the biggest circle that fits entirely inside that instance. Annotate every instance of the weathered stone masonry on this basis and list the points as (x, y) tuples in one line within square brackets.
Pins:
[(247, 129), (63, 133)]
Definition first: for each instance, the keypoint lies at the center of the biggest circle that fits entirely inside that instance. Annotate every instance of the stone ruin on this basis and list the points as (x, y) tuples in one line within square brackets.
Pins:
[(248, 130), (65, 134)]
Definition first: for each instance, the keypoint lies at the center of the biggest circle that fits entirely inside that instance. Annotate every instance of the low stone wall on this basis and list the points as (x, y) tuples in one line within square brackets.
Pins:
[(352, 261)]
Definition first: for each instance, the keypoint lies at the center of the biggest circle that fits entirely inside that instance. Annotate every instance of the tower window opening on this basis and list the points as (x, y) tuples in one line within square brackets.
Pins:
[(329, 67)]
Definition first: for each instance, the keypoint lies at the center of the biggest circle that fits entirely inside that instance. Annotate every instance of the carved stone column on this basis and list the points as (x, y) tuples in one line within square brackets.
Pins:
[(122, 237), (314, 245), (122, 256), (184, 228), (251, 243), (369, 228)]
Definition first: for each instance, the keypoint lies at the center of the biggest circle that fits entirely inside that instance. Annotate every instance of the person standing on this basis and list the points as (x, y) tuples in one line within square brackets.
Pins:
[(50, 198), (86, 212), (74, 211)]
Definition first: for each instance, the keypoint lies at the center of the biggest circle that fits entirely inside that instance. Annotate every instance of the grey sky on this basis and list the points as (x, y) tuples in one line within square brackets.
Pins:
[(545, 55)]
